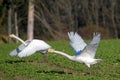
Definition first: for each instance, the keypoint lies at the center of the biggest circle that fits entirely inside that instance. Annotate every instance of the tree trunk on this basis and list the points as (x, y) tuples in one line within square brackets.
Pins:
[(30, 27), (9, 23), (113, 2), (96, 5), (16, 26)]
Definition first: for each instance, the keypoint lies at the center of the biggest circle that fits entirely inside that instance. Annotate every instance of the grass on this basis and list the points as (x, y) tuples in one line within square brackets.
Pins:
[(59, 67)]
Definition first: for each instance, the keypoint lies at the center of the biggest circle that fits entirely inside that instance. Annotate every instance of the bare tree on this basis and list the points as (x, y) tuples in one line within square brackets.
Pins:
[(30, 27), (54, 15), (9, 23), (103, 21), (113, 3), (16, 26), (87, 12), (96, 6)]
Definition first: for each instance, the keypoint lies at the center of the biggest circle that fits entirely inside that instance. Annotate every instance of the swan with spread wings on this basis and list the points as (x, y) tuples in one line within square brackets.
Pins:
[(29, 47), (84, 53)]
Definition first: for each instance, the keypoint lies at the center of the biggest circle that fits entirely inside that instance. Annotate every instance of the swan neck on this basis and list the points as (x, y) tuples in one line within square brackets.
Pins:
[(20, 40), (64, 54)]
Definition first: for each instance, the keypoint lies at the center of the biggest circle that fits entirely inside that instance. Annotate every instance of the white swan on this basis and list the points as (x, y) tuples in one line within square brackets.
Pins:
[(83, 53), (28, 47)]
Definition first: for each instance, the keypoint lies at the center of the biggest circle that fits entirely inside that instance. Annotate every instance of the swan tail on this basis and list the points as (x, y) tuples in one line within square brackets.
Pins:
[(97, 60)]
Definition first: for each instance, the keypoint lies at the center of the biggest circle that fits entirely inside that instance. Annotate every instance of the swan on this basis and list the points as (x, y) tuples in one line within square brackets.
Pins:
[(29, 47), (84, 53)]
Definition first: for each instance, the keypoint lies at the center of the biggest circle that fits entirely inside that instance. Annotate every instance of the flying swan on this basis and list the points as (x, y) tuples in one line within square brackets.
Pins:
[(29, 47), (84, 53)]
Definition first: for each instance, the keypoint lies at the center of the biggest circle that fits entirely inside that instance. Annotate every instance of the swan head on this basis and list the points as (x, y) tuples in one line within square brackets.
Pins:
[(12, 35), (51, 50)]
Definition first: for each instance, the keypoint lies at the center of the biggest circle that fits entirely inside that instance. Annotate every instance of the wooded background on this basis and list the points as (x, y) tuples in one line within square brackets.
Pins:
[(54, 18)]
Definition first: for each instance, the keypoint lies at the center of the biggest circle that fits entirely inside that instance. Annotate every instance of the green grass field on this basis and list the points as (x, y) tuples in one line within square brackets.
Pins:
[(59, 67)]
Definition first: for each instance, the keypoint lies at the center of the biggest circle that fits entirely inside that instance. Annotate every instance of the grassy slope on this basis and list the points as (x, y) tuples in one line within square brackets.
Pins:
[(59, 67)]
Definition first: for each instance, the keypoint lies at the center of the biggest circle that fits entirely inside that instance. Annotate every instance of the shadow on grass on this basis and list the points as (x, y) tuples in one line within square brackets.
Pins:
[(17, 61), (53, 72), (117, 60)]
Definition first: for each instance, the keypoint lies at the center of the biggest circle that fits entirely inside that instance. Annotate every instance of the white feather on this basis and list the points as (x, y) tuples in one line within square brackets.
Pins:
[(29, 47), (19, 49), (90, 49), (77, 42), (88, 52), (35, 45)]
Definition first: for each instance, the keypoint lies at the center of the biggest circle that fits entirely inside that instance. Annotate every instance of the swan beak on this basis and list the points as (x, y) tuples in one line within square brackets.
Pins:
[(11, 35), (50, 50)]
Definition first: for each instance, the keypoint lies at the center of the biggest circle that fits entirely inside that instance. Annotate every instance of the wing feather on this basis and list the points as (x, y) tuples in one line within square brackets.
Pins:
[(19, 49), (35, 45), (76, 41), (90, 49)]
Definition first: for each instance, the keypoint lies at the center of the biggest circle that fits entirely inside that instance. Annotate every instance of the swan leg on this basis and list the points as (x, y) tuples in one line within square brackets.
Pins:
[(89, 71), (96, 67), (22, 60), (44, 56)]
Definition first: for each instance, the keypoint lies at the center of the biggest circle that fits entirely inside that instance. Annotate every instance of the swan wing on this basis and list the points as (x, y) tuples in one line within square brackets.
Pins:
[(76, 41), (35, 45), (19, 49), (90, 49)]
